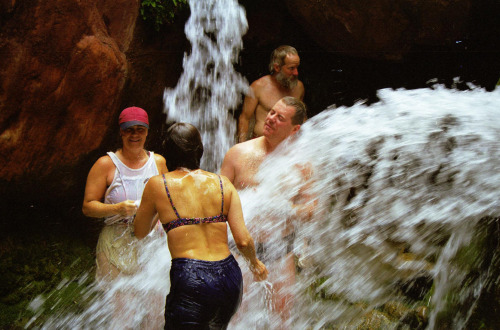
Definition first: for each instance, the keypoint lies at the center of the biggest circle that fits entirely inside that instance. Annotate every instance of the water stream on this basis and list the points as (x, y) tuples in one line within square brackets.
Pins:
[(209, 88), (404, 189)]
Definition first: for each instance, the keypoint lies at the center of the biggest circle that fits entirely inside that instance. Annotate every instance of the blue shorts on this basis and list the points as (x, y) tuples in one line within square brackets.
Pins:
[(203, 294)]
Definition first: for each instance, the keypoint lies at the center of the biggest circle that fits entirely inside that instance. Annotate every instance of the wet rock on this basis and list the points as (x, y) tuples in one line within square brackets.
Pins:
[(416, 287), (374, 320), (422, 313), (405, 316), (62, 73), (412, 320), (395, 309)]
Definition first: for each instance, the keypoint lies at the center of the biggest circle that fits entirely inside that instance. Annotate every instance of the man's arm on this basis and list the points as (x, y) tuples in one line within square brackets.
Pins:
[(249, 105), (302, 91), (227, 168)]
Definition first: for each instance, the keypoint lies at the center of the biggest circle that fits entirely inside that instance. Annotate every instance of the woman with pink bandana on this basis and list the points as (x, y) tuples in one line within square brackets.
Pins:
[(114, 190)]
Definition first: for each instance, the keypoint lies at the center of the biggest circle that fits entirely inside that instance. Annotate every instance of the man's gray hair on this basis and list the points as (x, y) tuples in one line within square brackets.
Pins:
[(278, 56)]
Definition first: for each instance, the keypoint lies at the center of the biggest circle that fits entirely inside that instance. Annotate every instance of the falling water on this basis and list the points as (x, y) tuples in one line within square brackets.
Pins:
[(209, 88)]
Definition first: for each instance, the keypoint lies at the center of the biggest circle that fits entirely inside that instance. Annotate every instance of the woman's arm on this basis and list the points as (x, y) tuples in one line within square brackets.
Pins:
[(145, 218), (242, 238), (95, 189)]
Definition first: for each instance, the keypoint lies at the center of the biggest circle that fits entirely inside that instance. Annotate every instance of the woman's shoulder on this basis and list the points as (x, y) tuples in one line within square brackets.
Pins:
[(214, 176), (161, 163), (158, 157), (211, 177), (156, 181), (226, 183), (218, 180), (104, 162)]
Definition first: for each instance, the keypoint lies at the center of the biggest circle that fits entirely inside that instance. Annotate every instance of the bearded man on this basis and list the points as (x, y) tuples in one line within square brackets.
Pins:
[(266, 91)]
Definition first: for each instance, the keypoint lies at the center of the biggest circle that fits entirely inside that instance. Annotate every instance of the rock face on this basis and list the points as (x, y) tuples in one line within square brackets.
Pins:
[(66, 70), (383, 29), (63, 68)]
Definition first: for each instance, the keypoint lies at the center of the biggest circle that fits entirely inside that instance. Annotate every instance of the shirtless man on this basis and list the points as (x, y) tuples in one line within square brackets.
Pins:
[(240, 166), (267, 90)]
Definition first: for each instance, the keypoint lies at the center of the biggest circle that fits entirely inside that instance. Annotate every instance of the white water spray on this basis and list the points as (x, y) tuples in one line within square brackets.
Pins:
[(412, 175), (129, 302), (209, 88)]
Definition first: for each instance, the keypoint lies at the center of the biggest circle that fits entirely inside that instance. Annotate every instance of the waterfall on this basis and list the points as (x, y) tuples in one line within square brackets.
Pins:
[(209, 88)]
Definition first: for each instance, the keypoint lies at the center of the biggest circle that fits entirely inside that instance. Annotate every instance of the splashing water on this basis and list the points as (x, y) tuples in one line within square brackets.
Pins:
[(401, 186), (129, 302), (209, 87)]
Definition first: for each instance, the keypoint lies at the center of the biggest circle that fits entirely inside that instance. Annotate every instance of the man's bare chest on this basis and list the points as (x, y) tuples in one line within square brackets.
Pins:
[(247, 171)]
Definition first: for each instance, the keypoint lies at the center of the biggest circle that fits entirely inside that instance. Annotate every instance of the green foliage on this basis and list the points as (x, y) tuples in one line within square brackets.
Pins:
[(33, 265), (159, 12)]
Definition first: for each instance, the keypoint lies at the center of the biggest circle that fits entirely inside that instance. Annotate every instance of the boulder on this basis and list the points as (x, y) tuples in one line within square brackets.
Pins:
[(63, 69)]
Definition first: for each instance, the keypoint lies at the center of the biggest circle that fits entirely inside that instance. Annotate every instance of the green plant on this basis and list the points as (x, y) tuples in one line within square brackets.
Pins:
[(160, 12), (36, 263)]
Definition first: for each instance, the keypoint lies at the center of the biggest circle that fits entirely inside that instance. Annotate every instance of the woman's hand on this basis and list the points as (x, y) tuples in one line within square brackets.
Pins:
[(259, 270), (127, 208)]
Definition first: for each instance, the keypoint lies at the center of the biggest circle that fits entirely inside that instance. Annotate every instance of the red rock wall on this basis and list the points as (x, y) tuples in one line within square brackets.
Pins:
[(63, 69)]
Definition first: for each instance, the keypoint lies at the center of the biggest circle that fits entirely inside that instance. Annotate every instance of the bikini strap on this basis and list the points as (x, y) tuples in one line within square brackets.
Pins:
[(168, 194), (222, 194)]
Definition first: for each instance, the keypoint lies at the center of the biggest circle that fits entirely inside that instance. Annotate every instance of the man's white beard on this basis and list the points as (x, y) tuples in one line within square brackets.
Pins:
[(287, 82)]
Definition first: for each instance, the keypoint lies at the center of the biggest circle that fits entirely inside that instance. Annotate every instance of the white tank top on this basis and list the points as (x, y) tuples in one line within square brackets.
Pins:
[(128, 184)]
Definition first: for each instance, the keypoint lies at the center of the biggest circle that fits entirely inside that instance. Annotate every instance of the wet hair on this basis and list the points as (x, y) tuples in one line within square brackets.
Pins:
[(183, 147), (278, 56), (300, 115)]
